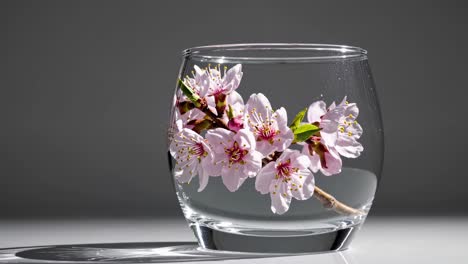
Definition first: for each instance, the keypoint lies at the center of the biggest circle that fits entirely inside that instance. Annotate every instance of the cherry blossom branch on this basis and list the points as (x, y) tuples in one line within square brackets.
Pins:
[(327, 200)]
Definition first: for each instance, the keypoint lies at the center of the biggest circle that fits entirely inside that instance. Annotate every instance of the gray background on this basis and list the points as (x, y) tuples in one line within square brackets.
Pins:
[(86, 88)]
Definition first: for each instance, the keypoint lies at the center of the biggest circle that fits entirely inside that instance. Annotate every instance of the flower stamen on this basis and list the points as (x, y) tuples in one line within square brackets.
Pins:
[(236, 154)]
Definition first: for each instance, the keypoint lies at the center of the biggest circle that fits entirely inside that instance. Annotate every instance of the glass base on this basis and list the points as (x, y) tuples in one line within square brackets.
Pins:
[(213, 239)]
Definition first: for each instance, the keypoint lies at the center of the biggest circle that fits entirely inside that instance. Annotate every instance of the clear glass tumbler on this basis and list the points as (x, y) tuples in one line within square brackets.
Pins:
[(275, 147)]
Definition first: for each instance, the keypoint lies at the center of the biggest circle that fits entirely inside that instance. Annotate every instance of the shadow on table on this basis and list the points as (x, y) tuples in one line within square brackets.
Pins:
[(156, 252)]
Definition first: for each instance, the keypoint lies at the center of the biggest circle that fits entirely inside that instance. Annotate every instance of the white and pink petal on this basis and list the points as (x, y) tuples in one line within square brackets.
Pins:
[(332, 164), (264, 178), (316, 111), (280, 199), (305, 189), (348, 147)]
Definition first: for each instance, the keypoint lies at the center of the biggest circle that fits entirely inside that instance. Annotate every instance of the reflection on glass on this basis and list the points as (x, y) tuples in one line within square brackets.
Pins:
[(158, 252)]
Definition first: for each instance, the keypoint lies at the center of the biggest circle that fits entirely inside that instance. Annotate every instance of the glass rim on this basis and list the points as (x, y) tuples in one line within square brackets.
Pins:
[(304, 52)]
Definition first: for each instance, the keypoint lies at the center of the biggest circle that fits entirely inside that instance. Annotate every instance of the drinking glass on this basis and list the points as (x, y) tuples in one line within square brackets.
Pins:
[(275, 147)]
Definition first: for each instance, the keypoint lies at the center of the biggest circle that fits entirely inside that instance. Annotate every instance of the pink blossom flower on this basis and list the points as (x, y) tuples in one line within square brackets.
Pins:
[(235, 156), (320, 149), (193, 157), (215, 88), (338, 136), (222, 83), (199, 82), (286, 178), (210, 82), (270, 128)]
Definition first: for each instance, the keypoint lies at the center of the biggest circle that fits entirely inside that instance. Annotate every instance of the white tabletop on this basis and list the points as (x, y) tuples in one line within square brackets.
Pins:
[(381, 240)]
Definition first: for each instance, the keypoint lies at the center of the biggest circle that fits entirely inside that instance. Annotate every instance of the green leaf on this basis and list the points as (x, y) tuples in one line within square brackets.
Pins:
[(298, 119), (189, 93), (304, 132)]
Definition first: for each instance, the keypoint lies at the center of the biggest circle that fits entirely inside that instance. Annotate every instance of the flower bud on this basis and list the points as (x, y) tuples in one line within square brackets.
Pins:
[(236, 123)]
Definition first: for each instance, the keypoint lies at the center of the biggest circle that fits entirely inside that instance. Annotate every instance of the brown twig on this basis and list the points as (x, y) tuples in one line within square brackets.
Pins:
[(328, 201), (213, 117), (203, 106)]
